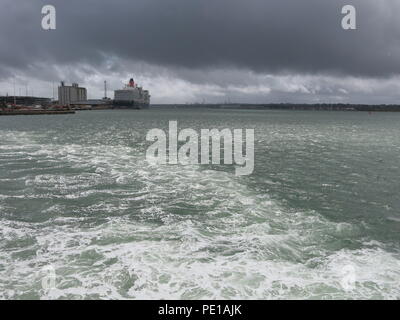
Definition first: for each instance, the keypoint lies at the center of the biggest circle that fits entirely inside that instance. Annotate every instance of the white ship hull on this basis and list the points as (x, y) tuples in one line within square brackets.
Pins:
[(131, 97)]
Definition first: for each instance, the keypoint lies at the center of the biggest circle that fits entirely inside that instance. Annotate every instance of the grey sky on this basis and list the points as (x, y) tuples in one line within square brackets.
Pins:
[(207, 50)]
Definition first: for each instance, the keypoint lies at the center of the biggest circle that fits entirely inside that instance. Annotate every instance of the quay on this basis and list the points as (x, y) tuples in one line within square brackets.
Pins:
[(33, 112)]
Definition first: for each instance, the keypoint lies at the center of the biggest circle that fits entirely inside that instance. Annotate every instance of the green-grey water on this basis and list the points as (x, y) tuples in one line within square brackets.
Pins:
[(77, 195)]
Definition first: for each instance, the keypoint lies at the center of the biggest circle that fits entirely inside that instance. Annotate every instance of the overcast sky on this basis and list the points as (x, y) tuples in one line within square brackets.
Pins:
[(254, 51)]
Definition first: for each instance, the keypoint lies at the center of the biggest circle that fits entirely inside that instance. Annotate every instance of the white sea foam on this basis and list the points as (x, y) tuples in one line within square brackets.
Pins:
[(116, 227)]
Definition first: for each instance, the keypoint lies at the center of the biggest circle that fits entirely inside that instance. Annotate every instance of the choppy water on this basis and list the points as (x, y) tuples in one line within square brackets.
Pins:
[(77, 195)]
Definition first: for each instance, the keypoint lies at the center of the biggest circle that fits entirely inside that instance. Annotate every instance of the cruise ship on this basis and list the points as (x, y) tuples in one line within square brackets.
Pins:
[(131, 97)]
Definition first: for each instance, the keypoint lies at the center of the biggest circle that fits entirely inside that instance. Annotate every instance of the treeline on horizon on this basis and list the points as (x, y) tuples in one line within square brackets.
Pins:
[(292, 106)]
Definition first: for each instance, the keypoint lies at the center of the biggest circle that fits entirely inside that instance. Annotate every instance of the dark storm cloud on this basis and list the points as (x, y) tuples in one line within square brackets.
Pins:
[(276, 36)]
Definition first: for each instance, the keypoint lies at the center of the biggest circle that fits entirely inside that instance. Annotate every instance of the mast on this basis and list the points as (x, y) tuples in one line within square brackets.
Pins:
[(15, 98)]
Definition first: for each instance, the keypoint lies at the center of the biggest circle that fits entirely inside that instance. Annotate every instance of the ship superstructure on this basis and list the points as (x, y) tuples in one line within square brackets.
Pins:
[(132, 96)]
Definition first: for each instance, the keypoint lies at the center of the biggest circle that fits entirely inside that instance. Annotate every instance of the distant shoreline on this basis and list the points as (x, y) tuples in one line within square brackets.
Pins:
[(290, 106)]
